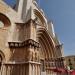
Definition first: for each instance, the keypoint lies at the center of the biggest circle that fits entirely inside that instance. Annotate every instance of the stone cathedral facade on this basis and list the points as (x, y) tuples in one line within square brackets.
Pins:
[(28, 44)]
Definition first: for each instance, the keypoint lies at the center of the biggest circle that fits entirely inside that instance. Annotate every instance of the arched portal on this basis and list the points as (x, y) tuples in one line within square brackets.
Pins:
[(46, 43), (47, 46)]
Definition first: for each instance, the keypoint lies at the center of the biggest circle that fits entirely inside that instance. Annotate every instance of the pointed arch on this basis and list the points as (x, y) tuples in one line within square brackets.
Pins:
[(40, 15), (46, 42)]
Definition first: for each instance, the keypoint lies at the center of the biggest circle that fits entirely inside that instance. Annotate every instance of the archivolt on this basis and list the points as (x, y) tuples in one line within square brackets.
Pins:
[(40, 15), (46, 43)]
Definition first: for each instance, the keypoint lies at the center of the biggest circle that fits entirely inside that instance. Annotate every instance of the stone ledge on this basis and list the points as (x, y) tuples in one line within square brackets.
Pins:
[(28, 42), (21, 63)]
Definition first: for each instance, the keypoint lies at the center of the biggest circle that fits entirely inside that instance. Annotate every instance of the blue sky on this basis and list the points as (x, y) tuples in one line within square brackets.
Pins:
[(62, 12), (10, 2)]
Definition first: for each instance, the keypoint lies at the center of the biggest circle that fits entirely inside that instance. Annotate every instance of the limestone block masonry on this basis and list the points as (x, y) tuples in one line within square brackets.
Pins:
[(28, 44)]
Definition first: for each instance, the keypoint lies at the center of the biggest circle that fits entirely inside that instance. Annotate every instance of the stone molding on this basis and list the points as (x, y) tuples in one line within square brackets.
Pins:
[(18, 63), (28, 42)]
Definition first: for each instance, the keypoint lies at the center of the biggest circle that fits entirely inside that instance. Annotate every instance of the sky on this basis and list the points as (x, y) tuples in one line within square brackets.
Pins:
[(62, 13), (10, 2)]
